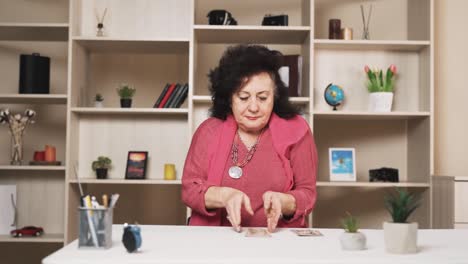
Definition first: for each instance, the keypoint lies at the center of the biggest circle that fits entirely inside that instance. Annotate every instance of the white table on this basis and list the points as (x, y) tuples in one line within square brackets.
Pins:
[(183, 244)]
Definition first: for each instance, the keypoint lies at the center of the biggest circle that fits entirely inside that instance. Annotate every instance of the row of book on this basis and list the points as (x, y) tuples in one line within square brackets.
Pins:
[(172, 96)]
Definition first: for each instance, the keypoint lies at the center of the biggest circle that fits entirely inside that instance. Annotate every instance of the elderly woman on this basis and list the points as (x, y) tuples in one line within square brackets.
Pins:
[(254, 162)]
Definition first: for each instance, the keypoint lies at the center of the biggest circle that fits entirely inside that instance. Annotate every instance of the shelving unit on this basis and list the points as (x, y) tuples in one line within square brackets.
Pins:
[(31, 168), (123, 181), (35, 27), (33, 98), (150, 43), (45, 238), (128, 111)]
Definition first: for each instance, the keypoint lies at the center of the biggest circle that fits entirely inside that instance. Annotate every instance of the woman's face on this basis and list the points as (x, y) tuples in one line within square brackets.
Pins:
[(253, 103)]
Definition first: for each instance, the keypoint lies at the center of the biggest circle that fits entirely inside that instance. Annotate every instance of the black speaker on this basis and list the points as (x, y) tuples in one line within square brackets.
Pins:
[(34, 74)]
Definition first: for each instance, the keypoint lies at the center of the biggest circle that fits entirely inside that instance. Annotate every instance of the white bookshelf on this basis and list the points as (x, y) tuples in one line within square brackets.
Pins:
[(388, 45), (357, 115), (124, 181), (33, 98), (128, 111), (253, 34), (31, 168), (45, 238), (374, 184), (33, 31)]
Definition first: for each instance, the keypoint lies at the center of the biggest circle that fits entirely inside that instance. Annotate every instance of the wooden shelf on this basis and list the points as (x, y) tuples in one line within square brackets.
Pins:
[(127, 111), (207, 99), (32, 168), (373, 184), (34, 31), (33, 98), (45, 238), (251, 34), (397, 45), (124, 181), (122, 45), (369, 115)]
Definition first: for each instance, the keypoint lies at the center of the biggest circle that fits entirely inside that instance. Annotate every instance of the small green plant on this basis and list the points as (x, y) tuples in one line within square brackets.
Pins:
[(99, 97), (401, 205), (349, 223), (125, 91), (376, 81), (101, 163)]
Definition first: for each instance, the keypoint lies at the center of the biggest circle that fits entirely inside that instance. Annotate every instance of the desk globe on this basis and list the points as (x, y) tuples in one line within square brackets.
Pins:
[(334, 95)]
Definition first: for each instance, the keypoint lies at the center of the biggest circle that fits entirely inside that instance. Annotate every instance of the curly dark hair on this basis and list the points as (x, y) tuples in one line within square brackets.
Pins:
[(244, 61)]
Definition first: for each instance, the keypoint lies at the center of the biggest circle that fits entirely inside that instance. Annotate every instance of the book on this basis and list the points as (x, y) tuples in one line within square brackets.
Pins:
[(161, 96), (173, 95), (183, 96), (167, 95), (290, 73), (177, 94)]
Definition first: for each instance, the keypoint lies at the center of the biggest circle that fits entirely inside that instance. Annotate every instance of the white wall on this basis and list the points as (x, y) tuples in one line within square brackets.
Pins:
[(451, 72)]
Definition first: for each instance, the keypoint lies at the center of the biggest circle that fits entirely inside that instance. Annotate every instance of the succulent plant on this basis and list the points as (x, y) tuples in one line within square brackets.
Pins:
[(101, 163), (401, 205), (349, 223), (125, 91)]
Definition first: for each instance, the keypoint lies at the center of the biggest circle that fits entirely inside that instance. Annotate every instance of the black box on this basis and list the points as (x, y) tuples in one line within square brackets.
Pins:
[(384, 175), (279, 20), (34, 74)]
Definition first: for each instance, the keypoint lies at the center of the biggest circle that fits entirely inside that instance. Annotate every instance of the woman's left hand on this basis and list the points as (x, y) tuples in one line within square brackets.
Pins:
[(272, 207), (275, 204)]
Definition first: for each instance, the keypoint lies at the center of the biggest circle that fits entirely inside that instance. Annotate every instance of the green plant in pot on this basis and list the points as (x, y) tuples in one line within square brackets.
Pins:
[(126, 94), (98, 100), (400, 236), (381, 88), (351, 239), (100, 166)]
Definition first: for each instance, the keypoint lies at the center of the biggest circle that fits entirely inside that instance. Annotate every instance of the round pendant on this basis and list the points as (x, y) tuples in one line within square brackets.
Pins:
[(235, 172)]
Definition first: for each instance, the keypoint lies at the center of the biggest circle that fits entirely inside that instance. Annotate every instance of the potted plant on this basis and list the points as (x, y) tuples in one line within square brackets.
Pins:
[(126, 93), (100, 166), (400, 236), (98, 100), (380, 88), (352, 239)]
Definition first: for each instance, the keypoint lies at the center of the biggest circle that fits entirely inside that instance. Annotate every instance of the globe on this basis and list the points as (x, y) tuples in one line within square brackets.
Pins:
[(334, 95)]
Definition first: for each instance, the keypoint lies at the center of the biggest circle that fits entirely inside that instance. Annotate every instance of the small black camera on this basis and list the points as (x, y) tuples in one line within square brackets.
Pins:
[(277, 20), (220, 17)]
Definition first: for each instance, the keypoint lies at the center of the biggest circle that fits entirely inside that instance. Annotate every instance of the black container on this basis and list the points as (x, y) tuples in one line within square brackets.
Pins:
[(384, 175), (101, 173), (125, 103), (334, 29), (34, 74)]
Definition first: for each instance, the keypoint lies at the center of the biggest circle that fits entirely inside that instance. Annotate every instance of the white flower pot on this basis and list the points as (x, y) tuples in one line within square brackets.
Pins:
[(98, 104), (353, 241), (401, 238), (380, 102)]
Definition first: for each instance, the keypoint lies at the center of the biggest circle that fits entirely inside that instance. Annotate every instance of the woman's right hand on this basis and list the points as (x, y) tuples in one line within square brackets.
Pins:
[(232, 200)]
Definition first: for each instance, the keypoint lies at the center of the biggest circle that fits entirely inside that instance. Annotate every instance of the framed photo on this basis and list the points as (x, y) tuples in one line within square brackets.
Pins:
[(136, 165), (342, 164)]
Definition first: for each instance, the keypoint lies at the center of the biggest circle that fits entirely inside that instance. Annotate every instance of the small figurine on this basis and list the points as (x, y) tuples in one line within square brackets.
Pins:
[(131, 237)]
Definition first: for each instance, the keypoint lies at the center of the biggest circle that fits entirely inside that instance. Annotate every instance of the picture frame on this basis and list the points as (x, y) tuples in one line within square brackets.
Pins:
[(136, 165), (342, 163)]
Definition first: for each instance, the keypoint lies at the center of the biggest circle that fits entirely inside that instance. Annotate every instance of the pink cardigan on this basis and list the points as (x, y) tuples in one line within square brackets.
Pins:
[(285, 133)]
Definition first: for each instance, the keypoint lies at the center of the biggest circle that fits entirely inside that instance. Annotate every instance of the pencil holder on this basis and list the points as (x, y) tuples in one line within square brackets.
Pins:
[(95, 227)]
